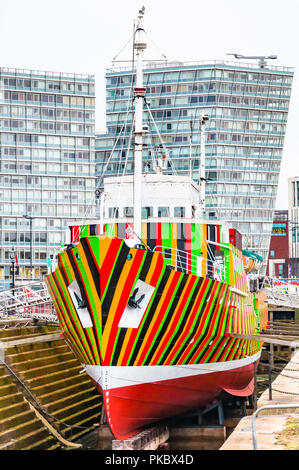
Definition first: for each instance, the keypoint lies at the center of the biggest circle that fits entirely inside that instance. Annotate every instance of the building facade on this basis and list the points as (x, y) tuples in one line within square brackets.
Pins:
[(247, 108), (279, 262), (293, 191), (47, 173)]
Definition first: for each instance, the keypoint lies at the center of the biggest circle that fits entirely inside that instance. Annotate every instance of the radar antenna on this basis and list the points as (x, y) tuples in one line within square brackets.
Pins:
[(262, 58)]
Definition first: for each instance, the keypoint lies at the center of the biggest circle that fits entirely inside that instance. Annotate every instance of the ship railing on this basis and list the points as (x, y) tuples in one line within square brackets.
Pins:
[(192, 264)]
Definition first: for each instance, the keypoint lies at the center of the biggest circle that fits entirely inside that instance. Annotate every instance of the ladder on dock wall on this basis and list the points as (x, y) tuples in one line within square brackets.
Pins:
[(31, 300)]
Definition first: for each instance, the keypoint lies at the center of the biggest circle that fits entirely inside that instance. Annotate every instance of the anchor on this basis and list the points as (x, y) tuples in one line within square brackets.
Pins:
[(80, 302), (133, 302)]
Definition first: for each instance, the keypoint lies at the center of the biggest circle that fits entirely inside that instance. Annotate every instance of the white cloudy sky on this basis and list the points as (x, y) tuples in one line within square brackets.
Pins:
[(84, 36)]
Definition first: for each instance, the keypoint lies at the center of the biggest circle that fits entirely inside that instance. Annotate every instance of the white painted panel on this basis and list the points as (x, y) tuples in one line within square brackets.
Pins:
[(83, 313), (110, 377), (131, 317)]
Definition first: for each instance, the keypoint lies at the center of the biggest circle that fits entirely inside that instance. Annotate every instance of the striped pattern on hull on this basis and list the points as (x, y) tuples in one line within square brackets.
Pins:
[(186, 321)]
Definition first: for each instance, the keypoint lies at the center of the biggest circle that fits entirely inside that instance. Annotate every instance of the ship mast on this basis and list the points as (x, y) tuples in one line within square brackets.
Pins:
[(202, 168), (139, 93)]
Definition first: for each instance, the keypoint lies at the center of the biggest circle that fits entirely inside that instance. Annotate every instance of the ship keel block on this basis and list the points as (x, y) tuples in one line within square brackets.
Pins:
[(130, 408)]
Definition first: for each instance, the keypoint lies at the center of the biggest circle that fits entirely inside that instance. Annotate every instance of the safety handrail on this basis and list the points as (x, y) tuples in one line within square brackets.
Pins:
[(254, 416)]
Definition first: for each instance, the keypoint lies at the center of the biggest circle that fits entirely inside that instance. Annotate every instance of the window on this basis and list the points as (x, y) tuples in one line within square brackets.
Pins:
[(147, 212), (179, 212), (280, 269), (128, 212), (113, 213), (163, 211), (272, 253)]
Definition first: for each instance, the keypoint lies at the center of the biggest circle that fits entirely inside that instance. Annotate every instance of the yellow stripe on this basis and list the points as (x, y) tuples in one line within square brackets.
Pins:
[(144, 232)]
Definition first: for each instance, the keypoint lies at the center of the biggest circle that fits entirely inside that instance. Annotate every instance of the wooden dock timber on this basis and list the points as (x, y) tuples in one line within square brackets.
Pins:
[(150, 439), (292, 341)]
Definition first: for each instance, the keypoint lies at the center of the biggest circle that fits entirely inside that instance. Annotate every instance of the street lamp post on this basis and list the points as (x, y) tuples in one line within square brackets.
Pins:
[(13, 260), (30, 218)]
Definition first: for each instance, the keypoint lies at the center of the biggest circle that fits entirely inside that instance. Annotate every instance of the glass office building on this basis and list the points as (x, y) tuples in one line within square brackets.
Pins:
[(247, 108), (47, 145)]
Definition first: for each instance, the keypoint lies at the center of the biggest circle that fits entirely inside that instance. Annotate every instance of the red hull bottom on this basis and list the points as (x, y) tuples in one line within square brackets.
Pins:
[(131, 408)]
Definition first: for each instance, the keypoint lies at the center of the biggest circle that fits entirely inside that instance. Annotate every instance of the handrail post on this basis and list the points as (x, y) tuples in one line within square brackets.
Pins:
[(270, 358), (255, 387), (266, 407)]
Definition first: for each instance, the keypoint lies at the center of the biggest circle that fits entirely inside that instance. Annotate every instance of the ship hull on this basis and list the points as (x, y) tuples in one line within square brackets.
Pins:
[(175, 352), (132, 401)]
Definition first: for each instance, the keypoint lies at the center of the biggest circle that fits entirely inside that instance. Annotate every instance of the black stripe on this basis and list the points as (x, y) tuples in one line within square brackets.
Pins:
[(181, 245), (211, 249), (151, 235), (117, 350), (146, 265), (92, 230), (62, 271)]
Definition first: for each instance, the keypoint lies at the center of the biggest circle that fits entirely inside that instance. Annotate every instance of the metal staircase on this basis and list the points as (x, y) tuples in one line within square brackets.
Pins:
[(29, 300)]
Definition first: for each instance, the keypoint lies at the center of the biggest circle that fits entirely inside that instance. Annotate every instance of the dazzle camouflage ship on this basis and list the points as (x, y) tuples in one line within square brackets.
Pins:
[(149, 301)]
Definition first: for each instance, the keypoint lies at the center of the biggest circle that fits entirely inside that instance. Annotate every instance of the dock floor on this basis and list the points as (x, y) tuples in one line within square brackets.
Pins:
[(270, 423)]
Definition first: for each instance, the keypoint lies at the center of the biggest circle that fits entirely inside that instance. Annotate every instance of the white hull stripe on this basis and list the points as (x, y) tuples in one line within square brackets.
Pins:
[(109, 377)]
